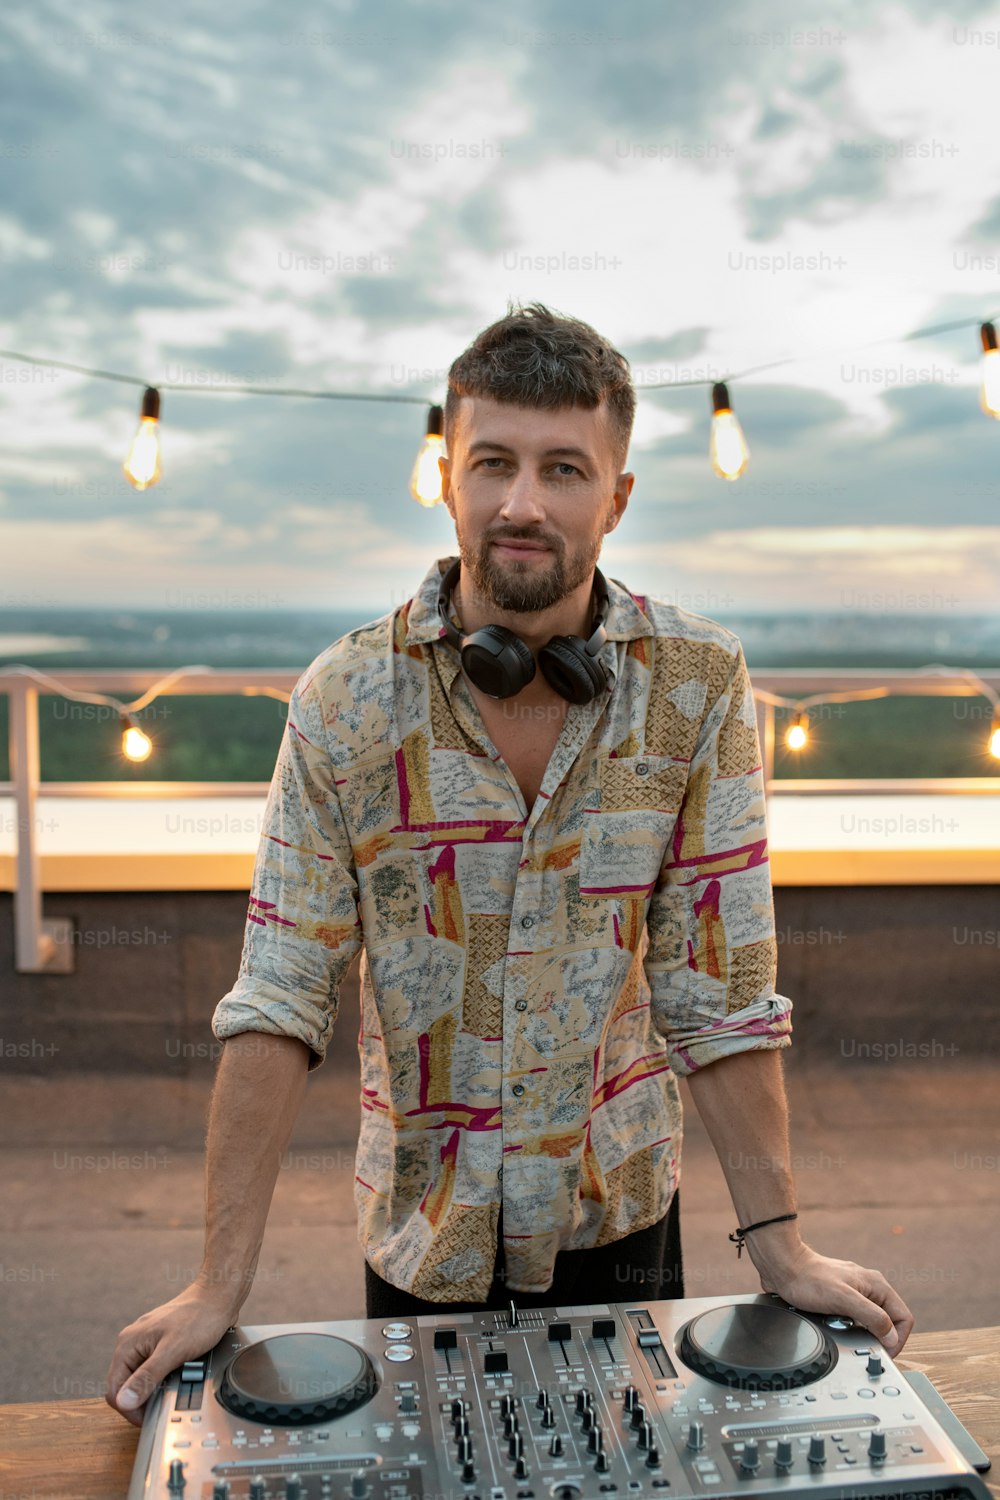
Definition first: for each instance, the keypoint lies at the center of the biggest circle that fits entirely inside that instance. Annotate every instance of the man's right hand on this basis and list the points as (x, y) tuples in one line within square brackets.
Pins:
[(161, 1340)]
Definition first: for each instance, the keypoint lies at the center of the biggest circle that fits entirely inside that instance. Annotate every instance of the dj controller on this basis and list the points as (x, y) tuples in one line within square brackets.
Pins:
[(632, 1401)]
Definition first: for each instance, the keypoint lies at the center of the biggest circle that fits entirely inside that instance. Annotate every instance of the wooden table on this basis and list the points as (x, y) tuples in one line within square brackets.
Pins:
[(82, 1450)]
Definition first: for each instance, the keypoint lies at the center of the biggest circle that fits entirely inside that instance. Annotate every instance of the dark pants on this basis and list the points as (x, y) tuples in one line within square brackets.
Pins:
[(645, 1265)]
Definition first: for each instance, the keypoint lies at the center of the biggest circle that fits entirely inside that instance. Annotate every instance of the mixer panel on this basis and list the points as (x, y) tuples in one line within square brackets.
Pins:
[(634, 1401)]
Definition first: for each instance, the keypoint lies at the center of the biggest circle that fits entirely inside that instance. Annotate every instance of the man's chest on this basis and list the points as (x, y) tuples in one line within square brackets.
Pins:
[(525, 736)]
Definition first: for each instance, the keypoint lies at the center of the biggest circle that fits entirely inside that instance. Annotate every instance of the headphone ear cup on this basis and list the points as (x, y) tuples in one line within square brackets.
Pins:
[(497, 661), (568, 668)]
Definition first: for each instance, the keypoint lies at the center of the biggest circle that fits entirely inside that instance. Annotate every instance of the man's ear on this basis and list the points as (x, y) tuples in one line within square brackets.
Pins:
[(444, 465), (623, 489)]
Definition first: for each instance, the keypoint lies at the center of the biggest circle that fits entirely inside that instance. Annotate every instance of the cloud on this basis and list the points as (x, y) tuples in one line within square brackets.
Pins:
[(822, 567), (343, 199)]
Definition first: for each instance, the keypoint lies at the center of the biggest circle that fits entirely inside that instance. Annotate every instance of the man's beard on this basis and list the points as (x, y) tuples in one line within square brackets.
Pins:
[(523, 588)]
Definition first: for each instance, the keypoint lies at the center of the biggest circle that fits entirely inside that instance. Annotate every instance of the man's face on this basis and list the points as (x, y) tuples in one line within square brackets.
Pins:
[(532, 494)]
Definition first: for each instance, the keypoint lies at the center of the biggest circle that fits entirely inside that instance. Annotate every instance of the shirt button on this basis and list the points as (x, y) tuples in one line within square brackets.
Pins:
[(642, 769), (520, 1005), (518, 1089), (527, 921)]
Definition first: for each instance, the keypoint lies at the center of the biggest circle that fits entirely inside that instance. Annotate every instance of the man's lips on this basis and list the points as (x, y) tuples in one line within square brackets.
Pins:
[(515, 546)]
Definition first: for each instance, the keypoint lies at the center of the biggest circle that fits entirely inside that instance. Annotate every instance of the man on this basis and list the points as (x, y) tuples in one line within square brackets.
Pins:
[(553, 857)]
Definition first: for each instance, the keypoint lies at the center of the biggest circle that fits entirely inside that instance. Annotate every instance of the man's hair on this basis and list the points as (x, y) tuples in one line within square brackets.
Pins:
[(535, 357)]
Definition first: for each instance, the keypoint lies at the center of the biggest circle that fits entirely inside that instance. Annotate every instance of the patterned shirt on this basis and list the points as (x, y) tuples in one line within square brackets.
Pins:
[(532, 979)]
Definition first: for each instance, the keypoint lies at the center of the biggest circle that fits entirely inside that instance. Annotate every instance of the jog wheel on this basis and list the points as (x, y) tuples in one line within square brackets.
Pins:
[(756, 1346), (295, 1379)]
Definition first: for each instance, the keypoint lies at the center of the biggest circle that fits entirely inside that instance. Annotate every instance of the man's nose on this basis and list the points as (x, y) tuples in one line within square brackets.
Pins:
[(523, 500)]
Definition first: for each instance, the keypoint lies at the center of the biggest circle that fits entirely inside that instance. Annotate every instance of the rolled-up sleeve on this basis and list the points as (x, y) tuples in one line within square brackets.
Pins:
[(303, 926), (711, 958)]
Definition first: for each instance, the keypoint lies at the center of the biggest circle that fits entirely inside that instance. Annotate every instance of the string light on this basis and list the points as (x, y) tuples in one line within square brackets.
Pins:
[(727, 447), (425, 481), (142, 466), (989, 396), (995, 735), (797, 734), (136, 744)]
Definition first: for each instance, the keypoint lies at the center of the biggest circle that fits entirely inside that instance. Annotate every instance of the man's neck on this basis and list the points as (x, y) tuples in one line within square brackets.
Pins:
[(572, 615)]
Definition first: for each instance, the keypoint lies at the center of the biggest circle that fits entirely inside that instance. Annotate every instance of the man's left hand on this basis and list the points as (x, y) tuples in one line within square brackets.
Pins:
[(817, 1283)]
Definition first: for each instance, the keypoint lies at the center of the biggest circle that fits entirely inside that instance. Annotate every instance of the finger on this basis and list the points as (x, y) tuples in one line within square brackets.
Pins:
[(882, 1311), (885, 1296), (131, 1350), (135, 1417), (137, 1371), (142, 1382)]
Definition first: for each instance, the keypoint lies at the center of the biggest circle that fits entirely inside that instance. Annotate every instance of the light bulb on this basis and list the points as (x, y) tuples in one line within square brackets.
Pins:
[(728, 447), (989, 395), (142, 467), (425, 481), (797, 734), (135, 744)]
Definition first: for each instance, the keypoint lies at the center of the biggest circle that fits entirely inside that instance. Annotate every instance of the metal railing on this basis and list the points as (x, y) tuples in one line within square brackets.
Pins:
[(42, 944)]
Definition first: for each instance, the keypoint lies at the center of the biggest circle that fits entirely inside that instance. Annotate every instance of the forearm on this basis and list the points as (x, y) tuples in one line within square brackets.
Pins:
[(258, 1091), (741, 1100)]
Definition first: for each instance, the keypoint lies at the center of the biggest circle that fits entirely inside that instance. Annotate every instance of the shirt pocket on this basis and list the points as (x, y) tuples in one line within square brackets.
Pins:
[(626, 836)]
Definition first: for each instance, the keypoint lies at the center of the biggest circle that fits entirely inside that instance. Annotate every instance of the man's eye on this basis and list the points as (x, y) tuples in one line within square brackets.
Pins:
[(490, 461), (571, 467)]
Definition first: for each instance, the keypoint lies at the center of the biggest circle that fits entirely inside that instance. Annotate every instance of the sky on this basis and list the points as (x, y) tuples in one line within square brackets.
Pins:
[(340, 198)]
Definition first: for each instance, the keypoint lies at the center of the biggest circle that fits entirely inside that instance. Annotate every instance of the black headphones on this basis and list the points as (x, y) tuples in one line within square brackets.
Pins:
[(500, 664)]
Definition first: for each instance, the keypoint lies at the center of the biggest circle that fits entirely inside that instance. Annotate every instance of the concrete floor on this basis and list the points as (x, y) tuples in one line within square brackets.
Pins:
[(897, 1166)]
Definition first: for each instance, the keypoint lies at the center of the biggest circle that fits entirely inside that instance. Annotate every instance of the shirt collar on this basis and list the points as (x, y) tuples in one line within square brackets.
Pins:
[(626, 620)]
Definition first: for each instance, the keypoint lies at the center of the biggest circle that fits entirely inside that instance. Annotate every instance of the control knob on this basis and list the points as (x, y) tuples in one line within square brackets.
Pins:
[(696, 1437), (817, 1450), (875, 1366), (631, 1397), (521, 1468), (463, 1449), (783, 1457), (359, 1485), (468, 1472), (256, 1488), (556, 1446), (602, 1463), (750, 1457), (595, 1441), (876, 1446), (293, 1487), (515, 1446), (638, 1414), (548, 1417), (653, 1457), (175, 1478), (646, 1435)]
